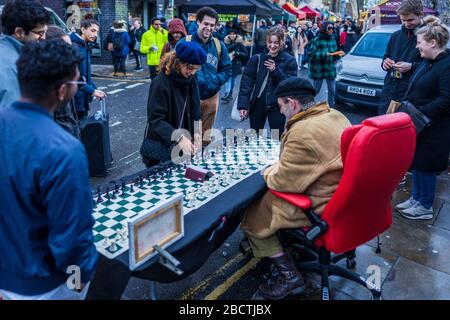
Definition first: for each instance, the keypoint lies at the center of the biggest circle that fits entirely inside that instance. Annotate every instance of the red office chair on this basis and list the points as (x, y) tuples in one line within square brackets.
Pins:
[(376, 154)]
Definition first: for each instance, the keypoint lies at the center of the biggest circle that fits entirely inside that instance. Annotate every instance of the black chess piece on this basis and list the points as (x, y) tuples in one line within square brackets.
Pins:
[(124, 188), (99, 199), (108, 198), (136, 181), (131, 188), (94, 204)]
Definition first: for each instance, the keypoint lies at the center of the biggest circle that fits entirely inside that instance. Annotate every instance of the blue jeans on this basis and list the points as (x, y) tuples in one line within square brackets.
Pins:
[(331, 86), (229, 86), (424, 187)]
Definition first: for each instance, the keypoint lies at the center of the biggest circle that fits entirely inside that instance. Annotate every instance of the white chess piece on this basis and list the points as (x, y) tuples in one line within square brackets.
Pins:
[(113, 246), (105, 243)]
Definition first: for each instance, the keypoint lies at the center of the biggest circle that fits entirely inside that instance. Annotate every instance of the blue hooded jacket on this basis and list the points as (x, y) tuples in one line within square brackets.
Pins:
[(45, 203), (122, 34), (84, 95), (216, 71), (9, 86)]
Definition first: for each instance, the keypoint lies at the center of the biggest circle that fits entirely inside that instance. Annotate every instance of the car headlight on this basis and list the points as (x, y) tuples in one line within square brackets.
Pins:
[(339, 67)]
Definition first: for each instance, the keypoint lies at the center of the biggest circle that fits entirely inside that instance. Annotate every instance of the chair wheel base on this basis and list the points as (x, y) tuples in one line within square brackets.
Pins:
[(351, 263)]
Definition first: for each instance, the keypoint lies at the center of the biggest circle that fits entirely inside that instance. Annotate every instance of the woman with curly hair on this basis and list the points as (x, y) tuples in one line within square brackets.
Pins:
[(174, 101)]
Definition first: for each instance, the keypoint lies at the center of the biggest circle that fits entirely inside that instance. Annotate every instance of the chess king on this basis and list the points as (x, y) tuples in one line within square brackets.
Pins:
[(46, 206), (310, 163)]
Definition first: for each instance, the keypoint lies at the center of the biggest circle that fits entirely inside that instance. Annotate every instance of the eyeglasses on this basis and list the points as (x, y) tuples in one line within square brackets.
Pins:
[(192, 67), (41, 34), (80, 82)]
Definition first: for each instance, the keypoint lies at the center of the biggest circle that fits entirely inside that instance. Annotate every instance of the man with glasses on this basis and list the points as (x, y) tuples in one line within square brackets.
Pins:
[(152, 43), (47, 248), (22, 21)]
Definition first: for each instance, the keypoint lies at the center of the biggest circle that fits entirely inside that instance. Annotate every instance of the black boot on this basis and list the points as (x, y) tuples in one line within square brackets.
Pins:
[(225, 97), (230, 96), (288, 280)]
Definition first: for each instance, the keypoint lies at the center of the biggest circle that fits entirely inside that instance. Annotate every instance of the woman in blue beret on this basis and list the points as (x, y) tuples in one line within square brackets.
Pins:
[(174, 103)]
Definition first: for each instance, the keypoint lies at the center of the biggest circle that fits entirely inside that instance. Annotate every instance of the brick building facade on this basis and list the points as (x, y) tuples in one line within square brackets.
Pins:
[(105, 11)]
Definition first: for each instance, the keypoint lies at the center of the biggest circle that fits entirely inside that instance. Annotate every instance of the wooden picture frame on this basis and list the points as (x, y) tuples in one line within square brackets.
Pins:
[(160, 225)]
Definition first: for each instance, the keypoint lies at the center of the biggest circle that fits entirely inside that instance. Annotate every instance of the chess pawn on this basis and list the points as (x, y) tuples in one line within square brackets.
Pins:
[(113, 246), (106, 243)]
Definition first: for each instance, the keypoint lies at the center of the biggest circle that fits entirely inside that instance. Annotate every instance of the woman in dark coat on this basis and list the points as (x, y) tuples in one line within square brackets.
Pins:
[(429, 91), (238, 53), (174, 100), (260, 78)]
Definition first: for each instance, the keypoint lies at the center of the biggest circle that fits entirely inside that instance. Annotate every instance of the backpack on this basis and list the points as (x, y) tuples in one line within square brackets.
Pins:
[(118, 42), (216, 42)]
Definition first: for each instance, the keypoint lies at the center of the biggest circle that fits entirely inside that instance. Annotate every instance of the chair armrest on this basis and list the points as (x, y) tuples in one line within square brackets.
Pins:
[(296, 199), (319, 227)]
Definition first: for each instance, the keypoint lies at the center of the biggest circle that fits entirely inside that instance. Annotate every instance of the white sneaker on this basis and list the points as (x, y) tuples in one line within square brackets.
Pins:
[(418, 212), (406, 204)]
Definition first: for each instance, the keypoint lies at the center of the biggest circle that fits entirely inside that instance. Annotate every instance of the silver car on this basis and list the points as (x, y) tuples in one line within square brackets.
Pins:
[(360, 78)]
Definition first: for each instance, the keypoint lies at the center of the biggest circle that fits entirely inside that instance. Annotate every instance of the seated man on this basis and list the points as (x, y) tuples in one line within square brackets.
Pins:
[(310, 164), (46, 243)]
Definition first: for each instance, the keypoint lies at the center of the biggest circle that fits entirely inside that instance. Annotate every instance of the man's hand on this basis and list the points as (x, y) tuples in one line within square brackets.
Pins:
[(388, 63), (99, 94), (270, 64), (243, 114), (403, 67)]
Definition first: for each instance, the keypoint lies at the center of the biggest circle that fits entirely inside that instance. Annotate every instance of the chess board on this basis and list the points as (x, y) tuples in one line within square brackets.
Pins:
[(116, 203)]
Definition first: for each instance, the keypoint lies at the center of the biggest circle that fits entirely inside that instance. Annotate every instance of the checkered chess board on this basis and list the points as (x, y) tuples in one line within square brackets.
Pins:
[(116, 205)]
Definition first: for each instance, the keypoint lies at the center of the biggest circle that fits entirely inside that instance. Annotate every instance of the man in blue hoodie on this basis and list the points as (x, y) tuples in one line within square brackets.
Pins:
[(84, 42), (22, 22), (47, 247), (215, 72)]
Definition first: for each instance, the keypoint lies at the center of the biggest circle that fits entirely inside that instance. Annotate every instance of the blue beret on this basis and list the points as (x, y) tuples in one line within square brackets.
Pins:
[(190, 52), (295, 87)]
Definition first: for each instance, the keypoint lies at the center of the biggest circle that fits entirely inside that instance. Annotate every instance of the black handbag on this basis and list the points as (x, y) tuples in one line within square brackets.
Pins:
[(419, 120), (154, 151)]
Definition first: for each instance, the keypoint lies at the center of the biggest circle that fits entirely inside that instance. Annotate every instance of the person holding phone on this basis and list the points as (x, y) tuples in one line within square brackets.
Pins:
[(260, 78), (322, 54)]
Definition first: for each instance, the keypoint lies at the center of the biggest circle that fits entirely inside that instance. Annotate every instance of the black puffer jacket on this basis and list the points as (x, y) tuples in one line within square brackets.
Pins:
[(240, 53), (252, 81), (430, 93), (401, 47)]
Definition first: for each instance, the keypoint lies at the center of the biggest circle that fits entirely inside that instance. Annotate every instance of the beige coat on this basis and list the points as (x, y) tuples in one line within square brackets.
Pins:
[(310, 164)]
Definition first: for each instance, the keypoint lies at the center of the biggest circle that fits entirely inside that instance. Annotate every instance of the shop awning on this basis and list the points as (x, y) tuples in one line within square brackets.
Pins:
[(310, 13), (290, 8), (229, 6)]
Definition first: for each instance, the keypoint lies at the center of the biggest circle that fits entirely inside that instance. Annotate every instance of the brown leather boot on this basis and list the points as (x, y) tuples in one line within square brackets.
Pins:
[(288, 280)]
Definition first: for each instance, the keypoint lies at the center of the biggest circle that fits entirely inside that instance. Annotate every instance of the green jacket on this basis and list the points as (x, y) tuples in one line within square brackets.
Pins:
[(320, 65), (151, 38)]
